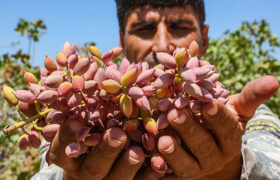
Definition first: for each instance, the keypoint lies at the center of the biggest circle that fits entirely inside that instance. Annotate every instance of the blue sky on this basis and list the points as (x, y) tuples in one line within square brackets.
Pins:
[(96, 20)]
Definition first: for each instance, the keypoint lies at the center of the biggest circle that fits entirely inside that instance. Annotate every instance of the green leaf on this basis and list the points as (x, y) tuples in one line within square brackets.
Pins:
[(245, 54)]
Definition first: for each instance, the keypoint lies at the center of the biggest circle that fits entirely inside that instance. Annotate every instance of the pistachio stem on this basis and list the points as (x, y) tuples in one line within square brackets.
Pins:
[(84, 98), (65, 74), (22, 123), (68, 72), (25, 132), (35, 126), (20, 113), (123, 88), (37, 107)]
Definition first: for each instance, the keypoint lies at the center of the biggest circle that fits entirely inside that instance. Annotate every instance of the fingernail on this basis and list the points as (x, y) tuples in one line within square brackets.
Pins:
[(132, 160), (114, 137), (134, 155), (176, 116), (212, 109), (166, 144), (170, 149)]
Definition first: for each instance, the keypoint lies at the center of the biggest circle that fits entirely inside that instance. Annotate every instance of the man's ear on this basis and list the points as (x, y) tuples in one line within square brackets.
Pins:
[(121, 43), (205, 39)]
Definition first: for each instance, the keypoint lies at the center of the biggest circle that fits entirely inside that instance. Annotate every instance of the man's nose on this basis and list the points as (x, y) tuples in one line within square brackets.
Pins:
[(162, 41)]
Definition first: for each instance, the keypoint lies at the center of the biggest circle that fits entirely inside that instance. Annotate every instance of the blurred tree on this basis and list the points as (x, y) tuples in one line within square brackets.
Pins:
[(246, 54), (83, 50), (33, 30), (16, 163)]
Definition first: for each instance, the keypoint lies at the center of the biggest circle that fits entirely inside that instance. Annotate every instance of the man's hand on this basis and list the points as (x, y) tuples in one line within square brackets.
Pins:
[(217, 154), (98, 164)]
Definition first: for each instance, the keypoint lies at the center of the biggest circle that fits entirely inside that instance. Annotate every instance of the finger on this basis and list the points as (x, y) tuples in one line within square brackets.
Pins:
[(253, 95), (49, 131), (149, 174), (99, 162), (174, 177), (226, 128), (182, 163), (198, 140), (230, 171), (64, 136), (128, 165)]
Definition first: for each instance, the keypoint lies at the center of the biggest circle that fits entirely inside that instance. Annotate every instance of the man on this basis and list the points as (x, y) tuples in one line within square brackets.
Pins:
[(150, 26)]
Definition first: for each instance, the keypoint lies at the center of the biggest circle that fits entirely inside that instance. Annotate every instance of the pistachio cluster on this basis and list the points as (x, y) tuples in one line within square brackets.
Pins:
[(135, 97)]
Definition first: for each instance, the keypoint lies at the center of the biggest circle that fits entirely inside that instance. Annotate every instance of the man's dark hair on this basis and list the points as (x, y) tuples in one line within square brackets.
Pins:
[(126, 6)]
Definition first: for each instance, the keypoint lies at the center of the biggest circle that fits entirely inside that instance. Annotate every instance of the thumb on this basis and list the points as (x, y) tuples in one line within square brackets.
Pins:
[(253, 95)]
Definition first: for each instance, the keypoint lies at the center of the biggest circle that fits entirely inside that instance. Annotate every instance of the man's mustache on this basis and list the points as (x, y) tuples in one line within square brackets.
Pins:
[(152, 59), (155, 58)]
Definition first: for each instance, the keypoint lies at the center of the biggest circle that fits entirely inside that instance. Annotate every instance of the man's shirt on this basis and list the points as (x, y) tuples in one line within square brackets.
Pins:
[(261, 146), (260, 150)]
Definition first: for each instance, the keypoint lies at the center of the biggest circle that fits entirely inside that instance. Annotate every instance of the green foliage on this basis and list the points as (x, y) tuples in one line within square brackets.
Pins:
[(244, 55), (31, 29), (12, 67), (83, 50), (118, 60), (16, 163)]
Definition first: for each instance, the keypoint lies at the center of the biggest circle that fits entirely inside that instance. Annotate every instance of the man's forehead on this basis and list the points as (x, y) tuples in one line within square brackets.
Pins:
[(155, 14)]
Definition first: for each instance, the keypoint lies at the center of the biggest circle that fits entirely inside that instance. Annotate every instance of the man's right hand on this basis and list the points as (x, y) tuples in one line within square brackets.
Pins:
[(100, 162)]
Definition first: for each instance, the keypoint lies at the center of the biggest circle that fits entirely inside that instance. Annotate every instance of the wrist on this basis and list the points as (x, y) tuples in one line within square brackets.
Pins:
[(67, 176), (231, 171)]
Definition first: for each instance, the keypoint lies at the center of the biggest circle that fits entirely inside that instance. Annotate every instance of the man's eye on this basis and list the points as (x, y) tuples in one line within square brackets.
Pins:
[(179, 27), (180, 31), (145, 29)]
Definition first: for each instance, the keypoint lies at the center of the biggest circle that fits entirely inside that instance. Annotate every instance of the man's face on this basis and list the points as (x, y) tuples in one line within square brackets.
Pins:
[(149, 30)]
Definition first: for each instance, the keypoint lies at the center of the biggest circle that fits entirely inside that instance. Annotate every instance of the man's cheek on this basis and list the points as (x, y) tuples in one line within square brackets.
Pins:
[(135, 52), (185, 41), (131, 54)]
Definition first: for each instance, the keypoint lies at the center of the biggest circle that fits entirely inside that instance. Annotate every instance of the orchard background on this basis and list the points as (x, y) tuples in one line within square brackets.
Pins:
[(240, 54)]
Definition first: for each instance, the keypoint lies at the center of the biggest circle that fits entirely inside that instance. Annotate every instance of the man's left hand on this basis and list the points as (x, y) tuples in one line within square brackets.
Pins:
[(217, 154)]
